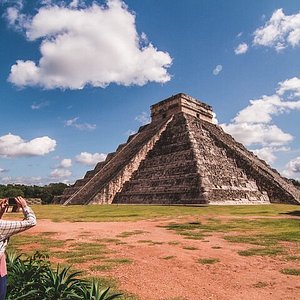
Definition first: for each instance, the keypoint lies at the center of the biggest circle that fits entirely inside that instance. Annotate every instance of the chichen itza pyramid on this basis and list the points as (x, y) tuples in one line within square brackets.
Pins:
[(181, 157)]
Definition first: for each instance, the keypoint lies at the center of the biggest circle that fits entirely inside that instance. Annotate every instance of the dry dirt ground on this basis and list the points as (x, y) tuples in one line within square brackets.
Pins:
[(164, 264)]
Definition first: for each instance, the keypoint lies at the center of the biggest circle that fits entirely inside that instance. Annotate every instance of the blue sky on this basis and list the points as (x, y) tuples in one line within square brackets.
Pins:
[(77, 77)]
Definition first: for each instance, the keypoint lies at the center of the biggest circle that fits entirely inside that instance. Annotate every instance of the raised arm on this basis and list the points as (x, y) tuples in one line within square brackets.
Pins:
[(9, 228), (3, 205)]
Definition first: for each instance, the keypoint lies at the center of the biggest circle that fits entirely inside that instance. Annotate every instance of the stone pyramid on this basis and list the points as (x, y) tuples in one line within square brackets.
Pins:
[(181, 157)]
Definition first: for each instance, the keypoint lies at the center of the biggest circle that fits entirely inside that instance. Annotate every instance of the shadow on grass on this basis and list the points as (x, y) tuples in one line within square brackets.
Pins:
[(295, 213)]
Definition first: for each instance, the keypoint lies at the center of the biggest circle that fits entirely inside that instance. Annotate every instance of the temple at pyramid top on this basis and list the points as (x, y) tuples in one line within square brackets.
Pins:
[(181, 103), (181, 157)]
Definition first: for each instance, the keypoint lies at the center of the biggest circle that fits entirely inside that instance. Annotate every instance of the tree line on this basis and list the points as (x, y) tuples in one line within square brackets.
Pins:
[(45, 193)]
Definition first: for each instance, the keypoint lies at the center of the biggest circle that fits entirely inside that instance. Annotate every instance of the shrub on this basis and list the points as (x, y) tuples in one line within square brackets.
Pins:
[(33, 278)]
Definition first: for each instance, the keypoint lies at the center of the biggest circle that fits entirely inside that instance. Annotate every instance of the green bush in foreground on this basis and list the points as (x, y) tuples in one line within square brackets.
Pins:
[(33, 278)]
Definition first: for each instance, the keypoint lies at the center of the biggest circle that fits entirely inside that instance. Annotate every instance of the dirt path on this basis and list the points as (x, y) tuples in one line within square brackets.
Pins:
[(165, 264)]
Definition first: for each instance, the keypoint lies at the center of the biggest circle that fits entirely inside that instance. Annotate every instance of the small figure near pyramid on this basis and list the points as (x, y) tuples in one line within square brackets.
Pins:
[(181, 157)]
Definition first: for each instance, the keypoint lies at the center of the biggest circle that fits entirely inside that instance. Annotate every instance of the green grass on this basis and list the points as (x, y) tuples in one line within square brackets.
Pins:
[(108, 241), (119, 260), (116, 213), (292, 258), (168, 257), (295, 272), (173, 243), (208, 261), (260, 285), (126, 234), (110, 263), (261, 251), (266, 232), (190, 248)]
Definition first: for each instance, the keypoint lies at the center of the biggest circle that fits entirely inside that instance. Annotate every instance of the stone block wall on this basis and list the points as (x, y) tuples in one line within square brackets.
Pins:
[(117, 168)]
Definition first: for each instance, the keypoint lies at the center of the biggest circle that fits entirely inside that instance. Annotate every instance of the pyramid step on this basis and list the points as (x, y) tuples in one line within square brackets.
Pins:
[(166, 182)]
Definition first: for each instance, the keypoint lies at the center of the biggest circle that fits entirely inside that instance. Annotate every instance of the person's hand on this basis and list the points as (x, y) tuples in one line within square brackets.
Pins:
[(21, 201), (3, 203)]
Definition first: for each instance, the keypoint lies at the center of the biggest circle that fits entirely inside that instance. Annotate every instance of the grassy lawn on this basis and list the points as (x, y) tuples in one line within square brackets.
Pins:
[(262, 236), (265, 231), (105, 213)]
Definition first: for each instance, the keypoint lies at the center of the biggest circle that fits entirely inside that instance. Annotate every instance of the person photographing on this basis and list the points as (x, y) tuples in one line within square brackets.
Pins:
[(9, 228)]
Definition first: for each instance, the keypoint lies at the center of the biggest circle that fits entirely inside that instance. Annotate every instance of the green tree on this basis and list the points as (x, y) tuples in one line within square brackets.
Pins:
[(13, 192)]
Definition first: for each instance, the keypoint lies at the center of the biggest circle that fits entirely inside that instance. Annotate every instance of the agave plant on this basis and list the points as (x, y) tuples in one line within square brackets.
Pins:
[(33, 278), (25, 276), (94, 292), (62, 284)]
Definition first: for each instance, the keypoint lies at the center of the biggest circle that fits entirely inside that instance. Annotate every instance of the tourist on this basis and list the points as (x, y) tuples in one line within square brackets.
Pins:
[(9, 228)]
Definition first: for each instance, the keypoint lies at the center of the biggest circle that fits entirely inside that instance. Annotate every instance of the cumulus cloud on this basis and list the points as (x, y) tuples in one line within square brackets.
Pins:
[(60, 173), (262, 110), (144, 118), (94, 45), (214, 119), (257, 134), (292, 168), (66, 163), (253, 125), (2, 170), (279, 32), (62, 170), (290, 85), (241, 49), (217, 69), (14, 146), (267, 153), (89, 158), (81, 126)]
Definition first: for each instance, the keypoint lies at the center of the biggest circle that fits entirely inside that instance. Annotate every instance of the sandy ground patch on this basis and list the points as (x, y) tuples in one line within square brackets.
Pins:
[(165, 264)]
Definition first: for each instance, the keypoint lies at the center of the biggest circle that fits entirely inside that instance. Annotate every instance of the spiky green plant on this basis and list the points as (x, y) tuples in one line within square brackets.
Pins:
[(96, 293), (33, 278)]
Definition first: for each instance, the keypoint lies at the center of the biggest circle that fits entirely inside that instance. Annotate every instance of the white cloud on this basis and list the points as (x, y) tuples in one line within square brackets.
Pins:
[(217, 69), (14, 17), (144, 118), (279, 32), (81, 126), (34, 180), (261, 110), (258, 134), (253, 125), (292, 168), (60, 173), (95, 45), (62, 170), (290, 85), (2, 170), (130, 132), (14, 146), (267, 153), (89, 158), (241, 49), (214, 119), (66, 163), (239, 34), (38, 106)]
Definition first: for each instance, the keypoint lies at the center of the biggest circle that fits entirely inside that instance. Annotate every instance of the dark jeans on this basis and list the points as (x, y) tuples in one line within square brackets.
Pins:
[(3, 283)]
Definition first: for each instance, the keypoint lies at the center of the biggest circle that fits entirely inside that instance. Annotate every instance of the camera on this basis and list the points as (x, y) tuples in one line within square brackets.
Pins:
[(12, 201)]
